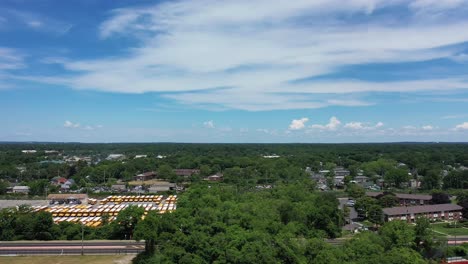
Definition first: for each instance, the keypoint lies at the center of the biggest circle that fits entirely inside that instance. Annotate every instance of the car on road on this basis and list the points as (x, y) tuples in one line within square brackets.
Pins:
[(350, 203)]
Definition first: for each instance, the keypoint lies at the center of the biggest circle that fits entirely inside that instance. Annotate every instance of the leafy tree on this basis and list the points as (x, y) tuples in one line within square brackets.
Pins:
[(148, 230), (401, 256), (397, 234), (462, 200), (431, 180), (396, 176), (3, 187), (355, 191), (126, 222), (363, 205), (439, 197), (388, 200), (375, 214)]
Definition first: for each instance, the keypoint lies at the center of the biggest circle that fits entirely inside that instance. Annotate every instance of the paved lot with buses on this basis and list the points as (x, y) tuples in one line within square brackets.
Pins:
[(91, 214)]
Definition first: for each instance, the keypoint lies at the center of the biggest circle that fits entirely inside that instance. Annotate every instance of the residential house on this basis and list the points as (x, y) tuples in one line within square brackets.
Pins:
[(361, 179), (340, 171), (140, 156), (432, 212), (215, 177), (64, 188), (414, 184), (145, 176), (186, 172), (58, 180)]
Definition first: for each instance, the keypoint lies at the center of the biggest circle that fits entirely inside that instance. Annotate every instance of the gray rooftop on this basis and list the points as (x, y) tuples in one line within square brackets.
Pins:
[(402, 210)]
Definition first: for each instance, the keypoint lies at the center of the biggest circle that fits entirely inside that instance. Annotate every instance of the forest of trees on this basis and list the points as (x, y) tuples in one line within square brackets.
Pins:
[(428, 161), (237, 220)]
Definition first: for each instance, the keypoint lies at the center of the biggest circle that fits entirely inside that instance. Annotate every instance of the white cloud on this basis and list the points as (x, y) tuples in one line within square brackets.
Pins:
[(34, 24), (427, 128), (255, 50), (70, 124), (435, 6), (333, 124), (354, 125), (298, 124), (462, 126), (363, 126), (209, 124), (10, 59)]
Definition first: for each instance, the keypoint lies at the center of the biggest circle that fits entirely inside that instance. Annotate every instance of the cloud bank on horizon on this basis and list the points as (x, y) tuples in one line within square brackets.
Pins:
[(260, 56)]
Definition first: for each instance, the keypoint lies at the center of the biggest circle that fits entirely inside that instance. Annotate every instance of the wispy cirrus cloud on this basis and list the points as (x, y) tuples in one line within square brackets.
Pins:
[(15, 18), (250, 55)]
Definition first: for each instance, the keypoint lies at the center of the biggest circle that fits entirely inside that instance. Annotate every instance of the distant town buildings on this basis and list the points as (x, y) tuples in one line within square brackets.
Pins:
[(29, 151), (274, 156), (140, 156), (115, 157)]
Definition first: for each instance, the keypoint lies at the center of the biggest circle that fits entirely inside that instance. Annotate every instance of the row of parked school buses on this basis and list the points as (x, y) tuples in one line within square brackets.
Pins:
[(91, 214)]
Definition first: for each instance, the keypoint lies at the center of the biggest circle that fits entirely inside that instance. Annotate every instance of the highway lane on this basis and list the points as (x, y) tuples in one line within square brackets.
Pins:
[(71, 248)]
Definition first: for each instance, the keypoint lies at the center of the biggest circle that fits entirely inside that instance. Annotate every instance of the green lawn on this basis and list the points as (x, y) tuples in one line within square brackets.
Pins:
[(441, 227), (68, 260)]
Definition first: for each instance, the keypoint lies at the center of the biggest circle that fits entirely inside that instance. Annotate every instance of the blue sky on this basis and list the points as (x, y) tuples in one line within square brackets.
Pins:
[(234, 71)]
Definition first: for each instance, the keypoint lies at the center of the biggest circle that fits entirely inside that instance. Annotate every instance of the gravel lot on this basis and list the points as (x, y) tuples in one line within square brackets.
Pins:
[(12, 203)]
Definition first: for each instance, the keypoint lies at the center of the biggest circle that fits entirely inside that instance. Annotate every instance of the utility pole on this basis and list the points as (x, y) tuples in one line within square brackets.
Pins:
[(82, 239)]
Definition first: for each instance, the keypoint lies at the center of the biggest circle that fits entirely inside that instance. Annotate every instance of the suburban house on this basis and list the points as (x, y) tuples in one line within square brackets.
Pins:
[(145, 176), (340, 171), (20, 189), (414, 184), (361, 179), (64, 188), (405, 199), (432, 212), (58, 180), (140, 156), (186, 172), (215, 177)]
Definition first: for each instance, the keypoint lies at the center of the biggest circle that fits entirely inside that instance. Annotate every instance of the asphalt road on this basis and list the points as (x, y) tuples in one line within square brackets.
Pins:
[(71, 248), (353, 216)]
